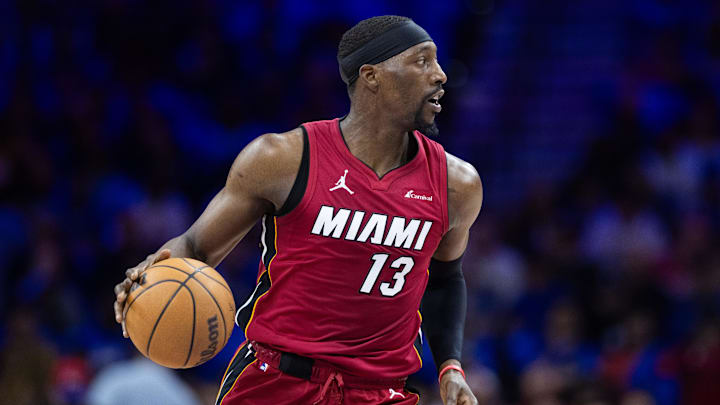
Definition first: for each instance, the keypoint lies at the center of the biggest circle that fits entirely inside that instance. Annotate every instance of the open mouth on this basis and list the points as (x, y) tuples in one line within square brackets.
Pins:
[(435, 100)]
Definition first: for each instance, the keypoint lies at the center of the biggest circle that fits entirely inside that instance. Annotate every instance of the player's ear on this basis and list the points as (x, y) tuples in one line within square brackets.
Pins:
[(368, 76)]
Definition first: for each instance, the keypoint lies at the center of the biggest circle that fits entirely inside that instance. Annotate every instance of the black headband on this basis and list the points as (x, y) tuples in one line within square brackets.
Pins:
[(382, 47)]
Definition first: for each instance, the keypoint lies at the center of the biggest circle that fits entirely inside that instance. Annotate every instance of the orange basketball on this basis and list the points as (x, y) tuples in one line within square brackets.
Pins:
[(181, 313)]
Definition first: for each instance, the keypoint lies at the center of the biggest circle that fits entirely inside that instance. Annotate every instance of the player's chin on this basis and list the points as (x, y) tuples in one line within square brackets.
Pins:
[(425, 121), (430, 118), (427, 117)]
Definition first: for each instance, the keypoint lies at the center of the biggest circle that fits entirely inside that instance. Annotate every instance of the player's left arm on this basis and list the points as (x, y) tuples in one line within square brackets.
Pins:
[(445, 300)]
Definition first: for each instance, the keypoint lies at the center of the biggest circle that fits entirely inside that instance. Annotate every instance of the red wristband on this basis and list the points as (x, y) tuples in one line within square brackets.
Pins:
[(450, 367)]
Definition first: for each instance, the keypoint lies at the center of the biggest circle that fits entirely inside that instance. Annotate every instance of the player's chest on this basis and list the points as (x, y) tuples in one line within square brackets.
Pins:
[(405, 214)]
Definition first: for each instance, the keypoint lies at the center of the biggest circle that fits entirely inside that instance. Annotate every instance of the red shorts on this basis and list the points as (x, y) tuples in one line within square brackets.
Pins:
[(253, 378)]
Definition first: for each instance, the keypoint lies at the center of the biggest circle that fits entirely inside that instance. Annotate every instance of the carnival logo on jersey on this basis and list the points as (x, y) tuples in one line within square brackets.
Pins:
[(411, 194), (399, 233), (341, 184)]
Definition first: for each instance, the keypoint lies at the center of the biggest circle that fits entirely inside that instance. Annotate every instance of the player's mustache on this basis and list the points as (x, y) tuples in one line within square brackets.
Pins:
[(437, 89)]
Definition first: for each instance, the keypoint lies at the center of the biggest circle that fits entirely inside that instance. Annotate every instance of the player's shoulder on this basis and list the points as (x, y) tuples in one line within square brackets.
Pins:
[(462, 176), (465, 191), (274, 149), (278, 145), (270, 158)]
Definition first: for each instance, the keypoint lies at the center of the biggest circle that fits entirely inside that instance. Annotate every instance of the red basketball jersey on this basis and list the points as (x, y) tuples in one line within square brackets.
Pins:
[(343, 273)]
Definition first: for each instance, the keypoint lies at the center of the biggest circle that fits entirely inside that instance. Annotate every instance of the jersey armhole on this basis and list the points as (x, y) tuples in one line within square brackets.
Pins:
[(445, 205), (301, 180)]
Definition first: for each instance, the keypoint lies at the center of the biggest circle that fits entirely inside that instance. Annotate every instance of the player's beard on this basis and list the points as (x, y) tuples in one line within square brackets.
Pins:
[(426, 128)]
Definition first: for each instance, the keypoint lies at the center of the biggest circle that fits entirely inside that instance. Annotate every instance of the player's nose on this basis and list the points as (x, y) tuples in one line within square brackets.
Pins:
[(438, 75)]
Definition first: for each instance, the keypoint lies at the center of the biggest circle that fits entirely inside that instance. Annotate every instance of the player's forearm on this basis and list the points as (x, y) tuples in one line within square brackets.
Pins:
[(183, 246), (444, 307)]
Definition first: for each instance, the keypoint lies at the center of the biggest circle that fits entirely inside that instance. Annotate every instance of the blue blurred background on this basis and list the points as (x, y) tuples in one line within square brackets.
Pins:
[(593, 270)]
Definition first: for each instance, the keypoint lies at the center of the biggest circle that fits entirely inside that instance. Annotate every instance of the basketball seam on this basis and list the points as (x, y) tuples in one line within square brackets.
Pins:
[(206, 275), (192, 335), (178, 269), (223, 285), (225, 336), (147, 288), (217, 281), (191, 265), (184, 284), (157, 321)]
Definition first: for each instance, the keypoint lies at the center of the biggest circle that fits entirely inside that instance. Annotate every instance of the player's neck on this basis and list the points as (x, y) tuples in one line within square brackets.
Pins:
[(377, 142)]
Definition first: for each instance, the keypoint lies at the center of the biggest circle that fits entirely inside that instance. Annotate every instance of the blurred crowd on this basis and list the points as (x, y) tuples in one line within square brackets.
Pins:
[(593, 272)]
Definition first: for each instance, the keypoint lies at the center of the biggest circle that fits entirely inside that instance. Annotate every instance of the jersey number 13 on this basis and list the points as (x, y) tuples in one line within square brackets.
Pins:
[(404, 264)]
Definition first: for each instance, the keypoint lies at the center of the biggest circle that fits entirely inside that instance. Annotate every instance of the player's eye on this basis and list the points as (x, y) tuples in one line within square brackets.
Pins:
[(422, 60)]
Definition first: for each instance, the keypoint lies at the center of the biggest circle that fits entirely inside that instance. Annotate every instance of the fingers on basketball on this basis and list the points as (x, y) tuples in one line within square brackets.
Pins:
[(181, 313)]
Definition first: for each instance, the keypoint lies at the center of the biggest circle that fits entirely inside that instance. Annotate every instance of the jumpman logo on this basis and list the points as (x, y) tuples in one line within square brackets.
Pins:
[(393, 393), (341, 184)]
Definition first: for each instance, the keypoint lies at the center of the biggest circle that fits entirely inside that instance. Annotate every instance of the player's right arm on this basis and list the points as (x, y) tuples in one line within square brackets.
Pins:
[(259, 182)]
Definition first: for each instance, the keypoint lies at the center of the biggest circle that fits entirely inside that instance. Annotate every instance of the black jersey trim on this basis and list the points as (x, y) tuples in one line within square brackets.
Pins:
[(418, 343), (243, 358), (446, 214), (301, 180), (246, 313), (268, 239)]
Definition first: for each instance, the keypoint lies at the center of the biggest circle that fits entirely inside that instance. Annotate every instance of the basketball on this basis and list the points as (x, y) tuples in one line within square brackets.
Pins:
[(180, 313)]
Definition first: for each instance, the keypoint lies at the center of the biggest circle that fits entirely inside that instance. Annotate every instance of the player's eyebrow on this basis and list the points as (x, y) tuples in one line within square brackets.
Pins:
[(423, 48)]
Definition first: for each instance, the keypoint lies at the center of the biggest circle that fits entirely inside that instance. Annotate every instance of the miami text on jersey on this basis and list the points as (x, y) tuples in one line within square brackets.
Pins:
[(400, 233)]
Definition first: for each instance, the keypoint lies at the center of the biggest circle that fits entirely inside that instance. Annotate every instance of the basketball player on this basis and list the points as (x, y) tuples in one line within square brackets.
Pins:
[(363, 218)]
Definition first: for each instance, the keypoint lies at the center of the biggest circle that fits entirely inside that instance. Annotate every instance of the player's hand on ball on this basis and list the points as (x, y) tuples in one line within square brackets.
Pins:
[(122, 289), (455, 391)]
